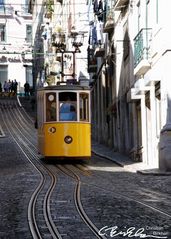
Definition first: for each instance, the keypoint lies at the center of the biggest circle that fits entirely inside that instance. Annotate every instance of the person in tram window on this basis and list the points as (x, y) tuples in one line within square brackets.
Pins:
[(73, 114), (67, 112)]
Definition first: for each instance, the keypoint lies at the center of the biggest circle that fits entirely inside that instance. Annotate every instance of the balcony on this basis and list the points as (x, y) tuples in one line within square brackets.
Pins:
[(119, 4), (142, 51), (99, 50)]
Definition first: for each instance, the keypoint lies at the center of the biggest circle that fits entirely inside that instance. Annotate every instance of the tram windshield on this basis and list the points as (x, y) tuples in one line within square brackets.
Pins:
[(67, 106)]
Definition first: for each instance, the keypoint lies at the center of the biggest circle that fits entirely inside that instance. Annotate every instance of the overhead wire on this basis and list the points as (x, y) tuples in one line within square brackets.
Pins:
[(39, 4), (68, 14), (64, 14)]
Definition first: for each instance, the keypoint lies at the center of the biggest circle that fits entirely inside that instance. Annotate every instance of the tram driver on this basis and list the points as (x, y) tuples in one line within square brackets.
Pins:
[(67, 112)]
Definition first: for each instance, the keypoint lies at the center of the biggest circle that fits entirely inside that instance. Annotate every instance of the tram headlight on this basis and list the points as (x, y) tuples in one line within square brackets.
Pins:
[(68, 139)]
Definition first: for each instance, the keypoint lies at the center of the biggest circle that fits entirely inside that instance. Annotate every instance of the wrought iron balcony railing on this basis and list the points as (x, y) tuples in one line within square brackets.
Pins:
[(142, 46)]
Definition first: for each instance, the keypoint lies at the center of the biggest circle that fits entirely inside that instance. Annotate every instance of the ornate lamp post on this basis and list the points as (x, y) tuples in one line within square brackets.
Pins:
[(76, 41)]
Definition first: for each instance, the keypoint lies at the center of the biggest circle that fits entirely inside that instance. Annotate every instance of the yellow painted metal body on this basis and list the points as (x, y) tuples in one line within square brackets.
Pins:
[(51, 139)]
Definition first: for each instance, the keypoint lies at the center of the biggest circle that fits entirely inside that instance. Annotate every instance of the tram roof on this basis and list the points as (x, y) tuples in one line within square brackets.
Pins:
[(64, 87)]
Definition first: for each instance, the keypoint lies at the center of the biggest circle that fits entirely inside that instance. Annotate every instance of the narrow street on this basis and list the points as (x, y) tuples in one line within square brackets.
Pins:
[(85, 119), (85, 199)]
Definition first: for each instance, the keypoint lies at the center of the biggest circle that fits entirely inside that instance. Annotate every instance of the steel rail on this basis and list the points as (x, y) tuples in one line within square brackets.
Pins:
[(26, 114), (47, 215), (77, 200), (130, 198), (31, 208), (23, 126), (46, 206)]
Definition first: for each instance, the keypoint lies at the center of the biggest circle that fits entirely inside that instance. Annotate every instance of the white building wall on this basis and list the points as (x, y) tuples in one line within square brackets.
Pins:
[(155, 146), (15, 20)]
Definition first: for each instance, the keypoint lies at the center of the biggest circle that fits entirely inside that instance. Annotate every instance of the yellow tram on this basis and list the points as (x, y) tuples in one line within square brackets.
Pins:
[(63, 121)]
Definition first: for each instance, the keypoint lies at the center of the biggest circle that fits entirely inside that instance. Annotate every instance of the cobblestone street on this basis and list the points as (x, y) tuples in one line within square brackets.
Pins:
[(121, 203), (85, 119)]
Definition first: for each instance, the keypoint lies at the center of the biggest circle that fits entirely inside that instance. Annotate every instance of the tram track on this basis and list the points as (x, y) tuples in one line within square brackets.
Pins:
[(69, 171), (77, 201), (16, 128), (126, 194), (32, 157), (17, 131)]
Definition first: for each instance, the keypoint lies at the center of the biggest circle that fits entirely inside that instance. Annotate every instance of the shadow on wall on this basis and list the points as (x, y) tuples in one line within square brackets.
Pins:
[(165, 144)]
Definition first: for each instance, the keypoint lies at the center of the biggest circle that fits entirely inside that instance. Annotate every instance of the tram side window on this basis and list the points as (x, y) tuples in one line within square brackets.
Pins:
[(67, 104), (50, 107), (84, 107), (40, 111)]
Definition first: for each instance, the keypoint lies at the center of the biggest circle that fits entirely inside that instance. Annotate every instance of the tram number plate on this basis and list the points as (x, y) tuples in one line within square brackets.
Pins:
[(52, 130)]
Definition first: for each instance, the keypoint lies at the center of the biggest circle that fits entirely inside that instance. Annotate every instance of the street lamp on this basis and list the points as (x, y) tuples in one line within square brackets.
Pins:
[(68, 56), (77, 39)]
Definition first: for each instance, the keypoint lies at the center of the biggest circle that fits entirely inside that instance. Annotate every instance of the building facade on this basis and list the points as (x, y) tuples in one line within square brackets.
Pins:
[(59, 30), (129, 71), (125, 55), (15, 42)]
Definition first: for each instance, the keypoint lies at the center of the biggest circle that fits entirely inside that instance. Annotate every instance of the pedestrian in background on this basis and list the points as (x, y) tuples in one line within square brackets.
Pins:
[(5, 87), (15, 87), (9, 84), (26, 89), (12, 87)]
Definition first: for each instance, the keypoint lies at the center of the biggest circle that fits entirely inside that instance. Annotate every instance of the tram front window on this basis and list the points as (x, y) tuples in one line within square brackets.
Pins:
[(67, 110)]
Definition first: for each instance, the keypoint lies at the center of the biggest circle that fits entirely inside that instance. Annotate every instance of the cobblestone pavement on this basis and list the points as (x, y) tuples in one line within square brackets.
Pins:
[(108, 194), (17, 182)]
